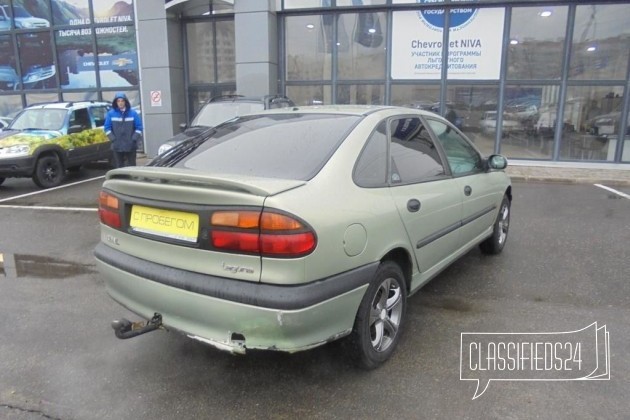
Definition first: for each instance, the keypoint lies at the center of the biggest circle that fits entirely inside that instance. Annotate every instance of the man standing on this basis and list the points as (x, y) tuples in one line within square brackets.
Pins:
[(123, 126)]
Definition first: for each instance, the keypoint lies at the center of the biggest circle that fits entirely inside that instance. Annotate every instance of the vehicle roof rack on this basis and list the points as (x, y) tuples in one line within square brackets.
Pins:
[(224, 97)]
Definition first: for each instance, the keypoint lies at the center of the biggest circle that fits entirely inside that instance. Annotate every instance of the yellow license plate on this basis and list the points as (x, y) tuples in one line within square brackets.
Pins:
[(167, 223)]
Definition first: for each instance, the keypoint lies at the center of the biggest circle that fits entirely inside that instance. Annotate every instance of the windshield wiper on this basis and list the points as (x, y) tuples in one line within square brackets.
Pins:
[(180, 151)]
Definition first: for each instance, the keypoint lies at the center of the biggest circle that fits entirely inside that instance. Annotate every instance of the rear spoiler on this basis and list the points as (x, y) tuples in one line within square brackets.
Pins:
[(263, 187)]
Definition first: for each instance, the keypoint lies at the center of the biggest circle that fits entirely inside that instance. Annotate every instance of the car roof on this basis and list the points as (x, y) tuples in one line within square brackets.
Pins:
[(66, 105), (242, 98), (358, 110)]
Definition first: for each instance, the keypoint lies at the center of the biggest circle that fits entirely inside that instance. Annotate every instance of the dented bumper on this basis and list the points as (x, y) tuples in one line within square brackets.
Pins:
[(232, 315)]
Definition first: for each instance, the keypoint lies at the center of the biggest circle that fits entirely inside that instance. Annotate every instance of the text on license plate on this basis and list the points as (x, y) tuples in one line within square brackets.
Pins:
[(167, 223)]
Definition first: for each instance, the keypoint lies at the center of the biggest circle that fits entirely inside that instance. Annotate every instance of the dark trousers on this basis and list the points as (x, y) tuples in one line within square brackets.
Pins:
[(122, 159)]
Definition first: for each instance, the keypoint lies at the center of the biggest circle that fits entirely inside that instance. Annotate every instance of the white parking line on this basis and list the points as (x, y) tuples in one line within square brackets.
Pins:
[(49, 208), (612, 190), (50, 189)]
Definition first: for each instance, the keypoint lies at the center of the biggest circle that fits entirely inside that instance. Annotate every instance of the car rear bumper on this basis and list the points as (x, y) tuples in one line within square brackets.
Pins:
[(17, 167), (236, 315)]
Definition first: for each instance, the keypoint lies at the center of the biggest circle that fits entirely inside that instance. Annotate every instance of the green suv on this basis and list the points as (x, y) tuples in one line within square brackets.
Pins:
[(45, 140)]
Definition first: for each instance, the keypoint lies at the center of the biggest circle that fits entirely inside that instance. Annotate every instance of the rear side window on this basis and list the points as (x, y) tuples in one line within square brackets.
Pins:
[(99, 112), (414, 157), (286, 146), (371, 168)]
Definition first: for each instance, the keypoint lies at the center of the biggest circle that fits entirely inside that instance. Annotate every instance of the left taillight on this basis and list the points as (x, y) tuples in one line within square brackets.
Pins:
[(268, 233), (109, 210)]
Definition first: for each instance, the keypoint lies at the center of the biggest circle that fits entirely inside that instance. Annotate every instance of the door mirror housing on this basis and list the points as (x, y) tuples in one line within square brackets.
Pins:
[(497, 162), (75, 129)]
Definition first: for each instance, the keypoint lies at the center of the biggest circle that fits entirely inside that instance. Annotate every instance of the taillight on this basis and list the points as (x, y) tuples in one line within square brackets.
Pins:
[(267, 233), (108, 210)]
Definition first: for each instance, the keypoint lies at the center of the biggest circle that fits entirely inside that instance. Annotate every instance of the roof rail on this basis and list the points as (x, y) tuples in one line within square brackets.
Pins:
[(220, 97)]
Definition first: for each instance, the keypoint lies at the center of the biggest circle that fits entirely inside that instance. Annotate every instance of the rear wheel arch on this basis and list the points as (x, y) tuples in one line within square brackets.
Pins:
[(401, 257)]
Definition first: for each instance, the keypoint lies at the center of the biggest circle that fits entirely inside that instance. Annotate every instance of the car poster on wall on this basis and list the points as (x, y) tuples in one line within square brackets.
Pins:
[(71, 12), (117, 62), (474, 50)]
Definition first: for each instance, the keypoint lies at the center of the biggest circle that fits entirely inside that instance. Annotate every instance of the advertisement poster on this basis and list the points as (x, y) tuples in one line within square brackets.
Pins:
[(75, 58), (9, 79), (36, 61), (474, 43), (26, 14), (71, 12), (117, 57)]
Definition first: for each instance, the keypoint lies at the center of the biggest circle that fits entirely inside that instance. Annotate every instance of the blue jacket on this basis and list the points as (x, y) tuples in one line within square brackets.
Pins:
[(124, 129)]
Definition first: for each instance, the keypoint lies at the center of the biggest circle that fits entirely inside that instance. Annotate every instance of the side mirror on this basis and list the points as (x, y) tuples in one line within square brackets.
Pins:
[(75, 129), (497, 162), (183, 126)]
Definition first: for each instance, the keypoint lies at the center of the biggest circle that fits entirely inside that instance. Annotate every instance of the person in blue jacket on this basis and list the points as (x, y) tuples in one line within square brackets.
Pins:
[(123, 126)]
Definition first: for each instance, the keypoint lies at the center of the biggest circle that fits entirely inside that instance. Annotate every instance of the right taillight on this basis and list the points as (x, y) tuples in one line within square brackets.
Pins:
[(108, 210), (265, 233)]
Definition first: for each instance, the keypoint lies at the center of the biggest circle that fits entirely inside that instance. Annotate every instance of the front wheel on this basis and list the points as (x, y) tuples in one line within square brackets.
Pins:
[(379, 321), (49, 172), (495, 243)]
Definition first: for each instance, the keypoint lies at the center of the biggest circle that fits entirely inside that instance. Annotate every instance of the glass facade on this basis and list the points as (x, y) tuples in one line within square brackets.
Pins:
[(545, 80), (511, 69), (66, 50)]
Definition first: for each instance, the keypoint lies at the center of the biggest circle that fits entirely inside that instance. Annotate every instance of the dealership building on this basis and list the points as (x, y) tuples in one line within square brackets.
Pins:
[(540, 80)]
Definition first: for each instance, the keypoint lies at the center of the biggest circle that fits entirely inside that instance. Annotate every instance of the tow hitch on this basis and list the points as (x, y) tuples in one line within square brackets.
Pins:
[(123, 328)]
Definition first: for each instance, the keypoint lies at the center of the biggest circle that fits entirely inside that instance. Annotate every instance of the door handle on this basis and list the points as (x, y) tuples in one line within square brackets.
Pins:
[(413, 205), (467, 190)]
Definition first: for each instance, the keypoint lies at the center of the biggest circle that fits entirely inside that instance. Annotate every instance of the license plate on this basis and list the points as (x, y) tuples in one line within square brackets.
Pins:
[(166, 223)]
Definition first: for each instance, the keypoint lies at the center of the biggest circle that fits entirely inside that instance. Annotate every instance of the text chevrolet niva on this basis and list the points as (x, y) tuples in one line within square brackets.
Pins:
[(291, 228)]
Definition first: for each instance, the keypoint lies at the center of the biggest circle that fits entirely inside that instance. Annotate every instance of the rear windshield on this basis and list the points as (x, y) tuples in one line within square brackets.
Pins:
[(286, 146)]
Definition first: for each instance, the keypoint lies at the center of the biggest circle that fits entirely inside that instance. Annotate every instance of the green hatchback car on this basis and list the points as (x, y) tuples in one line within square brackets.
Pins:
[(291, 228)]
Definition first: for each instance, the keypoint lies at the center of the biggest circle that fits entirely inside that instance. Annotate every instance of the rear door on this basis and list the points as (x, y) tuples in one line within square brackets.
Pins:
[(427, 198)]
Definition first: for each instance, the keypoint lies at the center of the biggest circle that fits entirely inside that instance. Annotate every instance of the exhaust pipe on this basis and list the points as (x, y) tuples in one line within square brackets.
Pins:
[(123, 328)]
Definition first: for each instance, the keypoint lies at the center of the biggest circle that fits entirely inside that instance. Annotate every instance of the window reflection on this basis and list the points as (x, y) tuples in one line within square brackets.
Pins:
[(600, 42), (226, 66), (200, 39), (310, 95), (309, 47), (592, 118), (529, 121), (10, 105), (420, 96), (208, 50), (536, 42), (468, 108), (361, 46), (361, 94)]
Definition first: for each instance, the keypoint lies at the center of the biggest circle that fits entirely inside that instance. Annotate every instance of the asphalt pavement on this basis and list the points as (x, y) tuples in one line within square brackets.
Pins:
[(564, 268)]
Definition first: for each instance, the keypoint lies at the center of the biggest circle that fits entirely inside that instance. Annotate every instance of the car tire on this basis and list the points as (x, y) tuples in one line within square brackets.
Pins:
[(379, 320), (495, 243), (49, 172)]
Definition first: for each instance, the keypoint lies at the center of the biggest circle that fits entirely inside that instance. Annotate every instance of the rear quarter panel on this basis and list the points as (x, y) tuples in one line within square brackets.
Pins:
[(330, 203)]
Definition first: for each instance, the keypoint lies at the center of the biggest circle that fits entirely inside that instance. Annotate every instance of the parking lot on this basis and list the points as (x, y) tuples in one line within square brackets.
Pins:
[(565, 266)]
